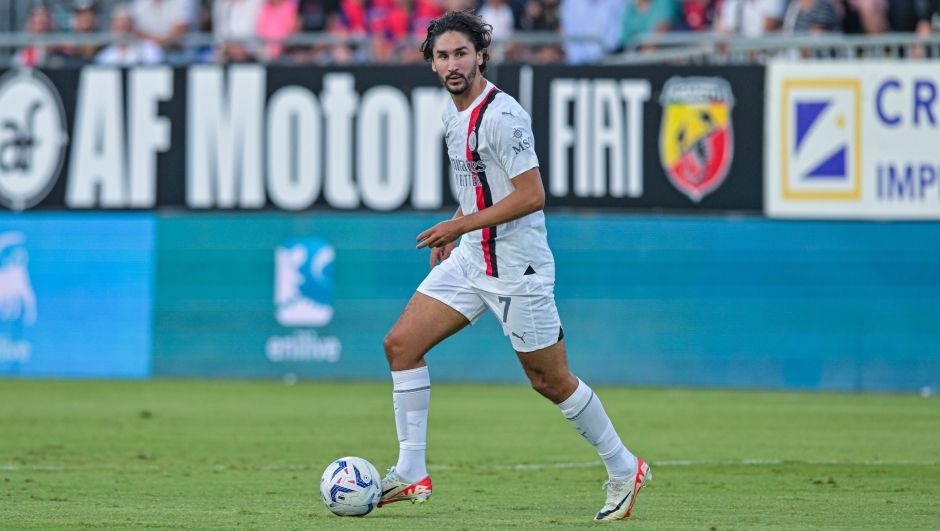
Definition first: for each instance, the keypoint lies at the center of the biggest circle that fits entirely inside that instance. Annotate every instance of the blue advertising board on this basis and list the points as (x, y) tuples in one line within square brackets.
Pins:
[(76, 295), (644, 300), (750, 302)]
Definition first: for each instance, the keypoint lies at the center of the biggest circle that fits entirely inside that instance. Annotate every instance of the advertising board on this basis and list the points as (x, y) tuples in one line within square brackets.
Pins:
[(76, 295), (270, 294), (249, 137), (648, 138), (852, 140), (643, 300)]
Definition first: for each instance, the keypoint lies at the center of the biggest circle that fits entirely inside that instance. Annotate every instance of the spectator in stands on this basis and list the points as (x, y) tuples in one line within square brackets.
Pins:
[(596, 20), (276, 20), (498, 14), (928, 16), (311, 14), (164, 22), (128, 50), (750, 18), (906, 15), (234, 25), (354, 17), (647, 16), (84, 21), (339, 54), (864, 16), (919, 16), (424, 12), (458, 5), (810, 16), (540, 15), (39, 22), (348, 21), (388, 26), (698, 15)]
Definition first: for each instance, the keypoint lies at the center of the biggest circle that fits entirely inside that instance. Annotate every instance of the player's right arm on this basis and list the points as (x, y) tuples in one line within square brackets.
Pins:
[(439, 254)]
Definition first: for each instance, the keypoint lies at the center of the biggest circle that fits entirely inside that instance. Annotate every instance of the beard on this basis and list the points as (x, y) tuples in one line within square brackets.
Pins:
[(465, 86)]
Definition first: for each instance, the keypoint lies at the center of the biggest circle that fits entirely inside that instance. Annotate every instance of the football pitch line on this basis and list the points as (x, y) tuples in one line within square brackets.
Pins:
[(690, 462), (543, 466)]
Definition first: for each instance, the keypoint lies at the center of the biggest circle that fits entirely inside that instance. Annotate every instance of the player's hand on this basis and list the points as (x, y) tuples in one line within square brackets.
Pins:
[(439, 254), (441, 234)]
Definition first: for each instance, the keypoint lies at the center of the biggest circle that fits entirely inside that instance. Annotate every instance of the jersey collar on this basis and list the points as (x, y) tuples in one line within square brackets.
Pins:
[(486, 90)]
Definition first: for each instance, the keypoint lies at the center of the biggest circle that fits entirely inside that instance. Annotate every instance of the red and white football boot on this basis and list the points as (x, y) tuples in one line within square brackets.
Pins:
[(396, 489), (622, 495)]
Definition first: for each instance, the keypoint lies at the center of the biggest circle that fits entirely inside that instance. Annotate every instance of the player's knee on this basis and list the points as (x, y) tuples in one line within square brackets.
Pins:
[(397, 349), (393, 346), (553, 389), (540, 383)]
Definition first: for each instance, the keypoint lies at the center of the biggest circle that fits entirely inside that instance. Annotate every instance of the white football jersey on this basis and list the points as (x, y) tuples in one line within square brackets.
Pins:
[(488, 144)]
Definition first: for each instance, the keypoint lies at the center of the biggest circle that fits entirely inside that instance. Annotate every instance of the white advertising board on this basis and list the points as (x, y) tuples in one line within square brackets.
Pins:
[(852, 140)]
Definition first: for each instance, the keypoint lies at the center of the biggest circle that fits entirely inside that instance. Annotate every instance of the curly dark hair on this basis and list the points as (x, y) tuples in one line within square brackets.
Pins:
[(465, 22)]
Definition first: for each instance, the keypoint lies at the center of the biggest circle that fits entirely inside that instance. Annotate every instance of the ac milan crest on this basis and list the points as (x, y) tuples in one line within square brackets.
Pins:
[(695, 139)]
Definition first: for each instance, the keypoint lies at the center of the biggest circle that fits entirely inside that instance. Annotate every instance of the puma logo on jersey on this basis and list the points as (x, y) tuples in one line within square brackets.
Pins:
[(522, 337)]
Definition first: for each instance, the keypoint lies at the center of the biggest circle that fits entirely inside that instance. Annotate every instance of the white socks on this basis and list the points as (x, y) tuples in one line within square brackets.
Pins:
[(411, 394), (585, 412)]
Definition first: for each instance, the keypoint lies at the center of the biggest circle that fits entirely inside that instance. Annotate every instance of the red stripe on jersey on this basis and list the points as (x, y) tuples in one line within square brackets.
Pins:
[(484, 197)]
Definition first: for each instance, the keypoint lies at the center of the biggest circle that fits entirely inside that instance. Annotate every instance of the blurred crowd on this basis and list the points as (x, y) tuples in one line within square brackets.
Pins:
[(387, 31)]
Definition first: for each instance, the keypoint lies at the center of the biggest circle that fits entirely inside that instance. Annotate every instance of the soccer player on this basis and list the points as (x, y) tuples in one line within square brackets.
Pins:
[(503, 264)]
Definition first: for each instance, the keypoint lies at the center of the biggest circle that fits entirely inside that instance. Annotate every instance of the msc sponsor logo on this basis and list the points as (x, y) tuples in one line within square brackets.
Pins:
[(821, 140), (696, 143), (33, 138), (523, 141), (303, 297), (17, 298)]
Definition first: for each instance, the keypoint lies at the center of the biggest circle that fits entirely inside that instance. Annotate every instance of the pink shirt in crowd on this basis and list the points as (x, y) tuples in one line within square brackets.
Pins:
[(276, 21)]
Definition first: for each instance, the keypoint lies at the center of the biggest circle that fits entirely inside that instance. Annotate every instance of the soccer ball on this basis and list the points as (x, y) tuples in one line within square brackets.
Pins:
[(351, 486)]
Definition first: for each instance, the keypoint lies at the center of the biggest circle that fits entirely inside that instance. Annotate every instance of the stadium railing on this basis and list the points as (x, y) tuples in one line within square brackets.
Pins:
[(663, 48), (10, 42)]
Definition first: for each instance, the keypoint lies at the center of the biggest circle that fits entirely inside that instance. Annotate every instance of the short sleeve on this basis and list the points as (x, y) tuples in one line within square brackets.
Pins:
[(511, 141)]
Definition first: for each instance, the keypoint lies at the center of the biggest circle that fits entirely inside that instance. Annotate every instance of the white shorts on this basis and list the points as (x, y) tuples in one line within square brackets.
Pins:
[(525, 307)]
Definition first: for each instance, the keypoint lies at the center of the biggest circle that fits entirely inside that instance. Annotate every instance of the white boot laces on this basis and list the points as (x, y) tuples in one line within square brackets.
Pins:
[(614, 489)]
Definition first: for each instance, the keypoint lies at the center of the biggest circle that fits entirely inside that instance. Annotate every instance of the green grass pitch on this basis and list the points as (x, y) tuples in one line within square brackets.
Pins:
[(248, 455)]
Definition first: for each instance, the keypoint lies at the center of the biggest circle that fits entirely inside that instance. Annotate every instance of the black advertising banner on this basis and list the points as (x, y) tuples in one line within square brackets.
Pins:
[(207, 137), (249, 137), (648, 138)]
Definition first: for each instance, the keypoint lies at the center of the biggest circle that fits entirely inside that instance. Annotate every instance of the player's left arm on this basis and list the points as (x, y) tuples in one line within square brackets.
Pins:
[(528, 197)]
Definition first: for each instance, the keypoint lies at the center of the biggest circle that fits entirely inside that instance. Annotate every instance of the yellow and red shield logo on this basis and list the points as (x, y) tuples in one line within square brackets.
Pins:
[(695, 139)]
